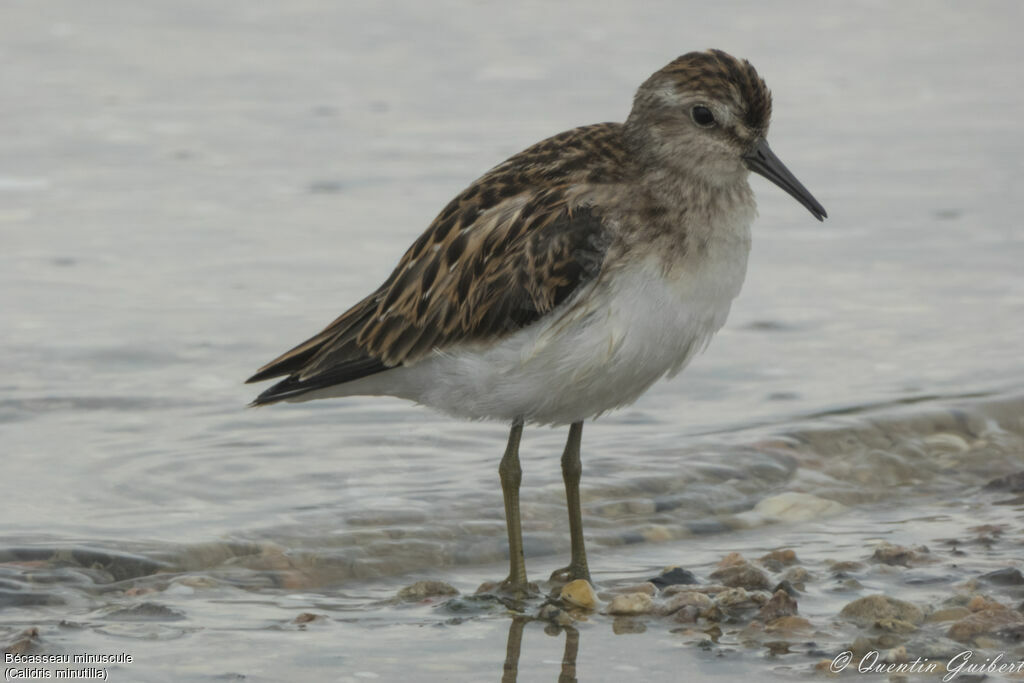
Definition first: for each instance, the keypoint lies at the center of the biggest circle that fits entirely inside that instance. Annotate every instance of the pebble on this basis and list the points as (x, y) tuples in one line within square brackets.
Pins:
[(687, 614), (980, 602), (867, 611), (1011, 576), (146, 611), (1014, 483), (580, 594), (555, 615), (985, 622), (786, 586), (946, 443), (657, 533), (674, 576), (25, 642), (862, 645), (688, 599), (630, 604), (732, 597), (778, 647), (423, 590), (949, 614), (797, 507), (732, 560), (845, 567), (742, 576), (645, 587), (777, 559), (623, 625), (781, 604), (306, 617), (798, 577), (895, 625), (790, 624), (898, 555)]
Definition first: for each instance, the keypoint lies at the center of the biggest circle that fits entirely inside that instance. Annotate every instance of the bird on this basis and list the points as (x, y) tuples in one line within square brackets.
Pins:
[(566, 280)]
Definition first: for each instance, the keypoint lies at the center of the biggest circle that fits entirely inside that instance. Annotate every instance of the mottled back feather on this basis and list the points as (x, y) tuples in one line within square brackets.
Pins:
[(509, 249)]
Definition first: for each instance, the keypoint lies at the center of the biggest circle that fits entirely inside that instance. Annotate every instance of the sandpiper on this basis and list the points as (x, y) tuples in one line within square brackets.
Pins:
[(568, 279)]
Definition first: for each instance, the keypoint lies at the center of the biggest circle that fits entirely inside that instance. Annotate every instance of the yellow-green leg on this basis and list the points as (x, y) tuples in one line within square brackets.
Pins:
[(511, 476), (512, 648), (572, 470)]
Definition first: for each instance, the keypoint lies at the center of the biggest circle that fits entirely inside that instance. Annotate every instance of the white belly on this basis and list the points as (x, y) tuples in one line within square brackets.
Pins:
[(624, 333)]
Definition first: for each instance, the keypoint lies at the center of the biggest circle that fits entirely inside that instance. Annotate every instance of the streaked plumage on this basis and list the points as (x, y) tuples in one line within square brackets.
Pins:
[(568, 279)]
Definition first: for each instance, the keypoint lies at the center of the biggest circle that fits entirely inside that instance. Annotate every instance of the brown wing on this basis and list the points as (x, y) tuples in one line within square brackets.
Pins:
[(501, 255)]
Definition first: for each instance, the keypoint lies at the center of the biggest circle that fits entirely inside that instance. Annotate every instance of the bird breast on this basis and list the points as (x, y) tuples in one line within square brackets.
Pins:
[(601, 351)]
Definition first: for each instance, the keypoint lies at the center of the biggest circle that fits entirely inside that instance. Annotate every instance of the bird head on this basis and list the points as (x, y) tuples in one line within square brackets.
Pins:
[(705, 115)]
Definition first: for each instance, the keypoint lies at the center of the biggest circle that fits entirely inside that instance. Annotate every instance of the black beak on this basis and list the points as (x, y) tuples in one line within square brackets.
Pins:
[(762, 160)]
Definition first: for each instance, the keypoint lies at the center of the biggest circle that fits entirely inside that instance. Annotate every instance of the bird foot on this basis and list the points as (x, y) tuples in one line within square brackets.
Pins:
[(511, 589), (570, 573), (518, 590)]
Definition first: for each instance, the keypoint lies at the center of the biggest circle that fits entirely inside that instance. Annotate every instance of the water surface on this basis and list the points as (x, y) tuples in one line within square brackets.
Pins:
[(188, 189)]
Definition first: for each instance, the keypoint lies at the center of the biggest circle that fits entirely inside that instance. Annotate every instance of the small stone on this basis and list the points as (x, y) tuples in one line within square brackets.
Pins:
[(798, 577), (946, 443), (555, 615), (778, 647), (984, 622), (732, 597), (630, 603), (895, 655), (673, 576), (781, 604), (645, 587), (1014, 483), (1013, 634), (197, 581), (898, 555), (790, 624), (657, 533), (580, 594), (868, 610), (777, 559), (1011, 576), (895, 625), (424, 590), (948, 614), (731, 560), (624, 625), (25, 642), (980, 602), (862, 645), (146, 611), (714, 614), (786, 586), (844, 567), (687, 614), (742, 576), (986, 643), (688, 599), (797, 507), (706, 590), (825, 666)]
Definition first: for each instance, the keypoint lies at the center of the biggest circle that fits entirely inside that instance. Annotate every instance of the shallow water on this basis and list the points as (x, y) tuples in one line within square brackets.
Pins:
[(188, 189)]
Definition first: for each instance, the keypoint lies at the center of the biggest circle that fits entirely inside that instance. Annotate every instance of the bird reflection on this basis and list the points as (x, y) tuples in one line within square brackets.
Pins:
[(515, 643)]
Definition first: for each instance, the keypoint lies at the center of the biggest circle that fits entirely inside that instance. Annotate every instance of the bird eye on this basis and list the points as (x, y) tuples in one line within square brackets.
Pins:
[(702, 116)]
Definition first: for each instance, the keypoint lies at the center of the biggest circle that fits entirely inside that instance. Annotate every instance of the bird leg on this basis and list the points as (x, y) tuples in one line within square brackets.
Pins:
[(511, 475), (572, 470)]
